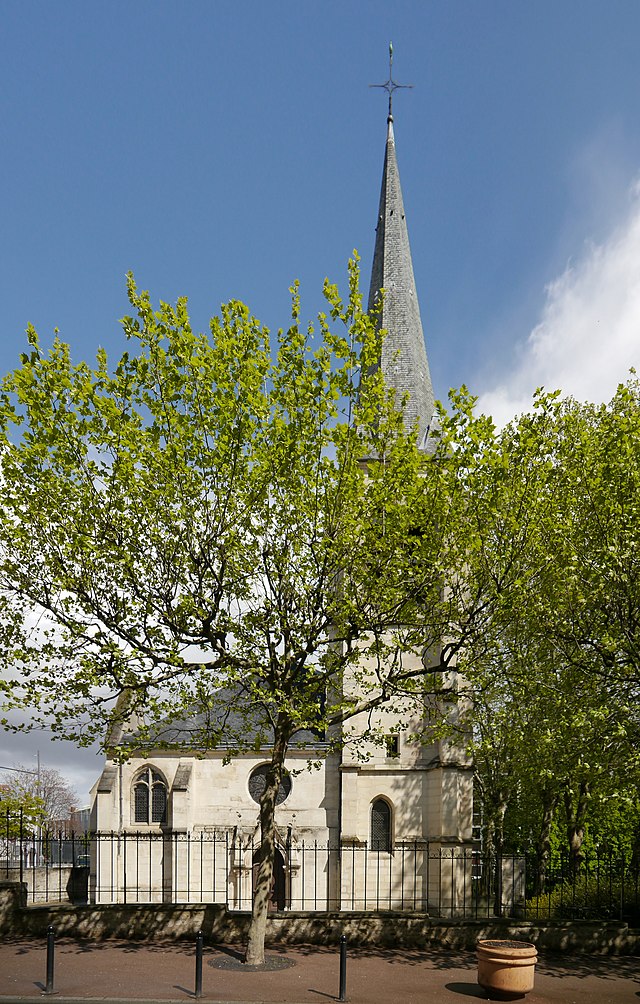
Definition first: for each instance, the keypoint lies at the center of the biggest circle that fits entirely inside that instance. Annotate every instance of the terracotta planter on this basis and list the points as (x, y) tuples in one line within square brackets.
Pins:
[(506, 968)]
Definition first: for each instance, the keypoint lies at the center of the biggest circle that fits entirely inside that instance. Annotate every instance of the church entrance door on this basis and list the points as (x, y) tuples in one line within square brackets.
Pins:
[(277, 900)]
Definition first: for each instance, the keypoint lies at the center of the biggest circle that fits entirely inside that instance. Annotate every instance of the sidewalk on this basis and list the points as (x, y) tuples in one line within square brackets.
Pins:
[(136, 971)]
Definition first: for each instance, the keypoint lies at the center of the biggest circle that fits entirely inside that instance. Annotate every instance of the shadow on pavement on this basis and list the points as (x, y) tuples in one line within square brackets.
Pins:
[(467, 990), (583, 966)]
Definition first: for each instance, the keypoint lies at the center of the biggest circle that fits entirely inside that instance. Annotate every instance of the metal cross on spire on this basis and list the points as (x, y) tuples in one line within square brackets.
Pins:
[(390, 85)]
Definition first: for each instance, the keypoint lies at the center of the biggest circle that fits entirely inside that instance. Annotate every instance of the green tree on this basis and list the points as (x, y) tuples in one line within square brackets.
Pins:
[(222, 519), (592, 599), (20, 815), (554, 497), (547, 750)]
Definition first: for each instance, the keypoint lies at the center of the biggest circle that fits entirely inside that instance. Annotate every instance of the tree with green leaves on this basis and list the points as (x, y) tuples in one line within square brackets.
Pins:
[(588, 606), (21, 815), (550, 752), (592, 600), (222, 519), (554, 497)]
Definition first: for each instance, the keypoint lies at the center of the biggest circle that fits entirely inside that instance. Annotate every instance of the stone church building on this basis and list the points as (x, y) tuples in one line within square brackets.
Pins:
[(390, 831)]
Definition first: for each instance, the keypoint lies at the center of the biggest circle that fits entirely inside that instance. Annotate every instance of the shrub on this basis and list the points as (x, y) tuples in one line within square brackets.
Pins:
[(590, 897)]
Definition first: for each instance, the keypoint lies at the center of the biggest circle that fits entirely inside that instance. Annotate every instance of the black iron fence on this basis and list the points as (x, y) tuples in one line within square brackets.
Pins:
[(219, 867)]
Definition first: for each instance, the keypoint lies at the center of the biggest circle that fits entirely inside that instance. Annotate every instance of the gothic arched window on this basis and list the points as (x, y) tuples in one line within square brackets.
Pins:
[(380, 825), (150, 797)]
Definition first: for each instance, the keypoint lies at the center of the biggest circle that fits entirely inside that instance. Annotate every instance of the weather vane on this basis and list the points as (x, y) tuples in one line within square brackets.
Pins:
[(390, 85)]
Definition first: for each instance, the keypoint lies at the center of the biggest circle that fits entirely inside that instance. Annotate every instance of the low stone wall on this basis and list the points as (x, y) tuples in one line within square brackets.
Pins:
[(407, 930), (143, 922), (44, 883), (13, 900)]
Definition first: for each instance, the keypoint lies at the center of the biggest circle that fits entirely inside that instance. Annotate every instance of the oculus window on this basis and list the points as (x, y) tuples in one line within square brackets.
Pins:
[(258, 782)]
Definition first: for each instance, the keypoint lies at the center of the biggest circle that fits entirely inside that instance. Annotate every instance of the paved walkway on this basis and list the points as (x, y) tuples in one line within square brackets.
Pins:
[(118, 971)]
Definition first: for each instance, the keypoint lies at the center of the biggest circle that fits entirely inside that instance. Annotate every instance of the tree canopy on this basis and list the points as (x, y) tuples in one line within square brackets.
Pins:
[(202, 518), (20, 814), (554, 497)]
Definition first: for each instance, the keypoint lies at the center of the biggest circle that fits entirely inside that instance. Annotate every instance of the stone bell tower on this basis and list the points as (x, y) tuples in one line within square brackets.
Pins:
[(406, 792)]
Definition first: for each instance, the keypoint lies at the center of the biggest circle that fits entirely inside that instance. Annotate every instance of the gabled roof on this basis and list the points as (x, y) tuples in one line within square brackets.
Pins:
[(230, 724), (404, 356)]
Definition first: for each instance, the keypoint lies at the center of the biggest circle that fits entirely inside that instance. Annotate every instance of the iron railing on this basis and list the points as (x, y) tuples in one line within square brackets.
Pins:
[(219, 866)]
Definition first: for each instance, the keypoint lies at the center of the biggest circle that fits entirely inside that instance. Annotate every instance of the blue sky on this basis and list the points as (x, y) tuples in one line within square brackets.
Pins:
[(223, 149)]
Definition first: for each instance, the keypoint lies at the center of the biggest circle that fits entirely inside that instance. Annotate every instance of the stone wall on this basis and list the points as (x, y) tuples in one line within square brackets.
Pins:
[(59, 881), (393, 929)]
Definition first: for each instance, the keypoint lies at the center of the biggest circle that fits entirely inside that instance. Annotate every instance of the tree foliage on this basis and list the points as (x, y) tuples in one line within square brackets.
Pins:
[(21, 815), (200, 519), (556, 680)]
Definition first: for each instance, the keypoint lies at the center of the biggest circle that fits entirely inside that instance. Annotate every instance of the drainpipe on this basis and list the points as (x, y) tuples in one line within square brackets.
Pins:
[(339, 859), (120, 802)]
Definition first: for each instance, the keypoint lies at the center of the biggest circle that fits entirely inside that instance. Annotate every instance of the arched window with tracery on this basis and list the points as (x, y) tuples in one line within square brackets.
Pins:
[(150, 797), (380, 825)]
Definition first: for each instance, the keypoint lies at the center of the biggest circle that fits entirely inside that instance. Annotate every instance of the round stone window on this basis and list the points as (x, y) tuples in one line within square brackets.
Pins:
[(258, 782)]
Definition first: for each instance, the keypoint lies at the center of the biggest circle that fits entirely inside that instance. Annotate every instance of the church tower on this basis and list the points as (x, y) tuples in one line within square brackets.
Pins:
[(406, 794), (404, 356)]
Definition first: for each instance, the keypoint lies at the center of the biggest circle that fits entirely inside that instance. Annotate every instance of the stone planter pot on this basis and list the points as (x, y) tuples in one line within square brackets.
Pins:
[(506, 968)]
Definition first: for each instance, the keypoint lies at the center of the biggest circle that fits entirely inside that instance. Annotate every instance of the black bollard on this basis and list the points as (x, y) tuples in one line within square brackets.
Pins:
[(50, 952), (199, 952), (343, 968)]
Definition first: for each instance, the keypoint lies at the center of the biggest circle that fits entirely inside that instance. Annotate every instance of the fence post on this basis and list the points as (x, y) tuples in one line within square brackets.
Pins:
[(50, 958), (343, 968), (199, 952)]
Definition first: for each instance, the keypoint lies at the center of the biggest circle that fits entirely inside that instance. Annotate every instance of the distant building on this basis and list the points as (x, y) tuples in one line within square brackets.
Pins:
[(80, 819)]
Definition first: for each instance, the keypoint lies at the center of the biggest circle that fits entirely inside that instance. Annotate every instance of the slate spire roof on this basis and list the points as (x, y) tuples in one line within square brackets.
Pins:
[(404, 356)]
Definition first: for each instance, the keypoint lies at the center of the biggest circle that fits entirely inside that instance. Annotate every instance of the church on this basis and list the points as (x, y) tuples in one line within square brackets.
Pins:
[(388, 830)]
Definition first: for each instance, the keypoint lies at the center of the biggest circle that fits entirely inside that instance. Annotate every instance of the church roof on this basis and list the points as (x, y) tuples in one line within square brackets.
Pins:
[(404, 356), (221, 727)]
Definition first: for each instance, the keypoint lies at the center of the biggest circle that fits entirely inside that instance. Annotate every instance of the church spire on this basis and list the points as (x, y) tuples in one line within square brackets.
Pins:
[(404, 356)]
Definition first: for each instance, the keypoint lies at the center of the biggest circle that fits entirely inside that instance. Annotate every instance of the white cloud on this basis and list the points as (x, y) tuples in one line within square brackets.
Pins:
[(589, 333)]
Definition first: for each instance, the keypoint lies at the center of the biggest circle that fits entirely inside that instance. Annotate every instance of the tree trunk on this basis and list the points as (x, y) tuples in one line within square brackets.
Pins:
[(499, 814), (254, 955), (576, 816), (543, 843), (488, 856), (635, 855)]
